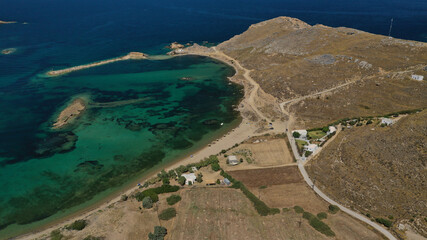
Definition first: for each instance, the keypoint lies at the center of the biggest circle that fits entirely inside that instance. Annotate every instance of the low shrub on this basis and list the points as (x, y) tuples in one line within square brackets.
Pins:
[(56, 235), (153, 192), (167, 214), (308, 215), (77, 225), (215, 166), (147, 203), (321, 227), (173, 199), (285, 209), (274, 211), (90, 237), (322, 215), (124, 197), (298, 209), (384, 222), (159, 233), (333, 209)]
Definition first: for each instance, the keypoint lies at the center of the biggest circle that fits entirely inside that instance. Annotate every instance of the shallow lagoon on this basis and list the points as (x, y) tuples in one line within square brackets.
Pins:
[(110, 146)]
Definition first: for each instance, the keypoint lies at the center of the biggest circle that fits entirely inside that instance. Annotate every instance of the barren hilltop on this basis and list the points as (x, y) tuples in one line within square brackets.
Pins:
[(362, 73)]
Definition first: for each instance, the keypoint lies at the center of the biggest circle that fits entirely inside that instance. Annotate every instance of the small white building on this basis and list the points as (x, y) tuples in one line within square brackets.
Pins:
[(232, 160), (332, 129), (194, 169), (386, 121), (189, 177), (302, 133), (311, 147), (417, 77)]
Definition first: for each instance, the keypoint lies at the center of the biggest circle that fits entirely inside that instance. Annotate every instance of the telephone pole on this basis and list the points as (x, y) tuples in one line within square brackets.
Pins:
[(391, 25)]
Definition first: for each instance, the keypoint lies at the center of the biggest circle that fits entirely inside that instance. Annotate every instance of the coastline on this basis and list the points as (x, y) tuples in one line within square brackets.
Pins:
[(244, 130)]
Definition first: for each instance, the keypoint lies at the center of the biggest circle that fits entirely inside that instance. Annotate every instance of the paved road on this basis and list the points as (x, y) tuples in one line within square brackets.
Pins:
[(307, 179)]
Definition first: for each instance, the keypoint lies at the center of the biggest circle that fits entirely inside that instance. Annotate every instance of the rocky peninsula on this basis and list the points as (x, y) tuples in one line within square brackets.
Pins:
[(8, 51), (7, 22), (70, 113), (130, 56)]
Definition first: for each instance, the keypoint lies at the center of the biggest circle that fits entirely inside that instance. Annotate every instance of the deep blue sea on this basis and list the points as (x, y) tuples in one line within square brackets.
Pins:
[(39, 180)]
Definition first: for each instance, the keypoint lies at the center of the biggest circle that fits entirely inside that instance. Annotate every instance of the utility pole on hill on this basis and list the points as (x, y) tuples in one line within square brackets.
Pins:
[(391, 25)]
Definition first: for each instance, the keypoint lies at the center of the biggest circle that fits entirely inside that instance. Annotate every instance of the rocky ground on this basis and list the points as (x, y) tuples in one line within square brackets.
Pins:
[(292, 59), (379, 170)]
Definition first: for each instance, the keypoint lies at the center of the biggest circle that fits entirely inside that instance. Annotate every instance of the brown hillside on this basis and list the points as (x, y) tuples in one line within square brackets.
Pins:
[(291, 59), (382, 172)]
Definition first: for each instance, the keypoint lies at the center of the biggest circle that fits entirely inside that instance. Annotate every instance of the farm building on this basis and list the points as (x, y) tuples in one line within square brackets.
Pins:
[(417, 77), (311, 147), (302, 133), (332, 129), (232, 160), (386, 121), (226, 181), (189, 177)]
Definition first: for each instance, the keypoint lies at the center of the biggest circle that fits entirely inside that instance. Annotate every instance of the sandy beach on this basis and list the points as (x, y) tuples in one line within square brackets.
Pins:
[(129, 56), (70, 113), (245, 130)]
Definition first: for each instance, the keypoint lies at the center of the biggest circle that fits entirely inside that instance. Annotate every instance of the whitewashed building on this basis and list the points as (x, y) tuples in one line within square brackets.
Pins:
[(417, 77), (189, 177), (386, 121), (311, 147), (302, 133), (332, 129), (232, 160)]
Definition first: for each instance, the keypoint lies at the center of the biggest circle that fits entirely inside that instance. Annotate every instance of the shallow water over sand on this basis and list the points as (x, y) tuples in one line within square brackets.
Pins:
[(46, 171)]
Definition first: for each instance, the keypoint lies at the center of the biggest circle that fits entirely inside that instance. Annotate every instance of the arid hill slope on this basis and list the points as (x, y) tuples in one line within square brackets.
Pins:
[(291, 59), (382, 172)]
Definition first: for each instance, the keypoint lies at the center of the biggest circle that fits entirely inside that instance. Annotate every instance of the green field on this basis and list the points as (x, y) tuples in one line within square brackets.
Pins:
[(316, 134)]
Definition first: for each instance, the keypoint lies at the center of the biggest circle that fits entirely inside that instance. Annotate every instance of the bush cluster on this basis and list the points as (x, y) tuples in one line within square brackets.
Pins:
[(159, 233), (333, 209), (317, 224), (384, 222), (153, 192), (77, 225), (167, 214), (147, 203), (321, 227), (322, 215), (298, 209), (173, 199)]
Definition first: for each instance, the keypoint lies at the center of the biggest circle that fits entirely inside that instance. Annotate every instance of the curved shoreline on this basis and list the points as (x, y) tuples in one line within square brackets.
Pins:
[(238, 134), (129, 56)]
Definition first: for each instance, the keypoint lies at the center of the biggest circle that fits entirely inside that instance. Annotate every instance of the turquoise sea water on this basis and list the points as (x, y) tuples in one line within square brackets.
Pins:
[(112, 144), (48, 174)]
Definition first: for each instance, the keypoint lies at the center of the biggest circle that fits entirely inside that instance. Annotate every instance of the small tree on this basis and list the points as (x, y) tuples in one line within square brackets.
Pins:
[(199, 178), (218, 181), (296, 134), (181, 180), (215, 166), (165, 181), (147, 203), (159, 233), (77, 225), (124, 197), (333, 209)]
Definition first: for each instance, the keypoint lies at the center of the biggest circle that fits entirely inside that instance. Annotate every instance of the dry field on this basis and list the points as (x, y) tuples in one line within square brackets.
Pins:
[(222, 213), (269, 153), (266, 153)]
